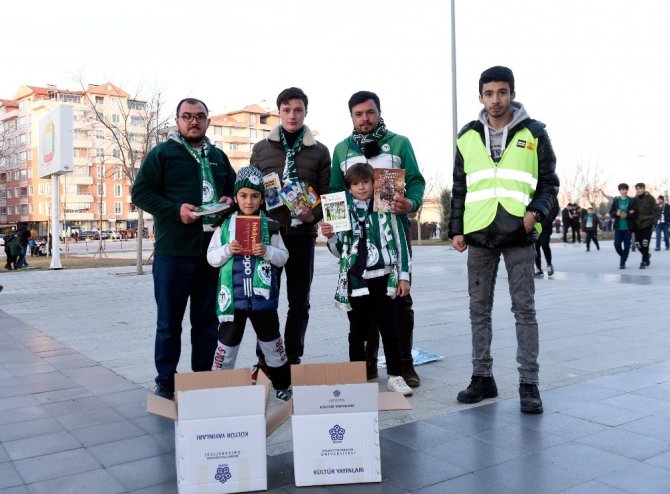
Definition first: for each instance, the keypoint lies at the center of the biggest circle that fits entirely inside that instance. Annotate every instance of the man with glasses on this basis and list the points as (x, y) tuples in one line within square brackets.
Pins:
[(176, 177)]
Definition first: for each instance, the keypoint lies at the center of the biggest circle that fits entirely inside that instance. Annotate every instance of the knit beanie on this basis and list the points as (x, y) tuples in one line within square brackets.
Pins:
[(250, 178)]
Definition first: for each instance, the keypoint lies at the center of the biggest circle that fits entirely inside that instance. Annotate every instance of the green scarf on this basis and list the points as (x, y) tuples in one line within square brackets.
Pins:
[(349, 254), (225, 307), (209, 195), (290, 170), (369, 142)]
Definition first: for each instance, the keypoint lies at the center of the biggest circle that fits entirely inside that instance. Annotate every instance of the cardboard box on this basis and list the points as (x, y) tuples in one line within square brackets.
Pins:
[(335, 424), (220, 430)]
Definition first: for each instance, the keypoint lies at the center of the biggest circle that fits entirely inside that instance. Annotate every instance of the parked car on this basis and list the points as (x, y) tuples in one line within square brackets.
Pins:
[(110, 234), (89, 235)]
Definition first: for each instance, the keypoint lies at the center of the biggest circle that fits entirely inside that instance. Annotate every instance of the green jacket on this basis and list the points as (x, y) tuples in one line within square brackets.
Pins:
[(169, 177), (396, 152)]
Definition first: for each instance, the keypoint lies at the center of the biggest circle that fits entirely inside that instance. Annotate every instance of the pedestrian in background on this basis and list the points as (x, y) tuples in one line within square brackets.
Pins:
[(662, 223)]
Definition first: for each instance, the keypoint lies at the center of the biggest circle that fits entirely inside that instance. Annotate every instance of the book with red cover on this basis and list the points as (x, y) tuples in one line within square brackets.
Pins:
[(248, 232)]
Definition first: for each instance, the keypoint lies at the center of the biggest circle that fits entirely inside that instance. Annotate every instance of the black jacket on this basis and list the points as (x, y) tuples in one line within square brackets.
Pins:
[(507, 230), (630, 210)]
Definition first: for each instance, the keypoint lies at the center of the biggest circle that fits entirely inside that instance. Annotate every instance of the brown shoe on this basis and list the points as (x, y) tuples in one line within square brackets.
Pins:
[(371, 369), (409, 374)]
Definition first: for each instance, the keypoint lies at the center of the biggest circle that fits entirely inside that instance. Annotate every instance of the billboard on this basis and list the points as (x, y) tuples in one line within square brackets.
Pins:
[(56, 147)]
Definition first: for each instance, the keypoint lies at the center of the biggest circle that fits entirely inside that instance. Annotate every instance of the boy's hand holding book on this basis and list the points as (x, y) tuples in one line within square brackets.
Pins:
[(304, 213), (257, 250), (401, 205), (327, 230)]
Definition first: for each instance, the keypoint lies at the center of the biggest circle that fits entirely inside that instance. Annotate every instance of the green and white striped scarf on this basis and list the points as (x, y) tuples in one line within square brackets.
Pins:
[(349, 254), (262, 280), (209, 195)]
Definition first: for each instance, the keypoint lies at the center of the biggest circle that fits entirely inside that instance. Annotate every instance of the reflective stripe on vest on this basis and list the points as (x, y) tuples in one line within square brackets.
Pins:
[(511, 183)]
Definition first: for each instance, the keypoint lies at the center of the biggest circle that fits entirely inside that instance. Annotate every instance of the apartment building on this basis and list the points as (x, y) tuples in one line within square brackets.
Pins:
[(96, 195)]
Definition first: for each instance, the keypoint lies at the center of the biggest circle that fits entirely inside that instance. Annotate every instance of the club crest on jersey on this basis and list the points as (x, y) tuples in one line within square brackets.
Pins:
[(224, 298), (386, 147)]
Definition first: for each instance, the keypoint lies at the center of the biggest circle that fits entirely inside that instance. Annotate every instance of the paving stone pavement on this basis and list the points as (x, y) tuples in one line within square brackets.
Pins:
[(76, 362)]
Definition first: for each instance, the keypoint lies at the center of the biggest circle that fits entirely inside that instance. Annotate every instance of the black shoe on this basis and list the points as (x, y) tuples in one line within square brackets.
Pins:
[(622, 265), (294, 360), (643, 265), (530, 398), (550, 270), (164, 392), (658, 248), (480, 387), (539, 273), (648, 261), (371, 369), (409, 374)]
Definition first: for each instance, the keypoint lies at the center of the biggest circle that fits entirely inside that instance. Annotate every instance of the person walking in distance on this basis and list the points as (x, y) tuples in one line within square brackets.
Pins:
[(647, 214), (543, 243), (176, 177), (590, 225), (662, 223), (505, 184), (623, 211)]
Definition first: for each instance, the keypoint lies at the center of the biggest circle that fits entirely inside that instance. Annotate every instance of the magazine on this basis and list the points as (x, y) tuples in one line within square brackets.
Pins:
[(273, 187), (388, 183), (293, 195), (247, 232), (336, 211), (213, 208)]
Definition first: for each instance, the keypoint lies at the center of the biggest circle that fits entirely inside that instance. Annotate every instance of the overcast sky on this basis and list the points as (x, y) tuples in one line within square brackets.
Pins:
[(593, 71)]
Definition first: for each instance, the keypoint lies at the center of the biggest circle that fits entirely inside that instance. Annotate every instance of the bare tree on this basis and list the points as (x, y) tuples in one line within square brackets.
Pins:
[(133, 125), (586, 184), (432, 184)]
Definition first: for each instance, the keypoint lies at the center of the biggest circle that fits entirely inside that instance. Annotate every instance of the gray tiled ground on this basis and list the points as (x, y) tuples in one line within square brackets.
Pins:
[(76, 360)]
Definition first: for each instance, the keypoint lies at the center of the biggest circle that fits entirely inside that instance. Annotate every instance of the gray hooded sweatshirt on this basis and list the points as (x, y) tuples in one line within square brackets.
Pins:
[(496, 139)]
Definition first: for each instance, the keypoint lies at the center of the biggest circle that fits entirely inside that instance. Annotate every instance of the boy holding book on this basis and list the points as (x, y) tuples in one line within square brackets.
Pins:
[(249, 282), (374, 272)]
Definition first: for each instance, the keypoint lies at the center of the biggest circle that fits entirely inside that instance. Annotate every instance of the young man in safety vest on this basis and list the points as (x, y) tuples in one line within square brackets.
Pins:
[(505, 184)]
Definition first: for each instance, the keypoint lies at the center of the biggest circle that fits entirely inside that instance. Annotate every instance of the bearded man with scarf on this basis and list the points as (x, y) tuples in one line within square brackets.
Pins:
[(176, 177), (505, 184), (291, 151), (370, 142)]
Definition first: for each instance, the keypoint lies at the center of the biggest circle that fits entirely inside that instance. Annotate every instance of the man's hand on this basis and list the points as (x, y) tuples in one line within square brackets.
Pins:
[(304, 213), (186, 213), (225, 200), (400, 205), (528, 221), (458, 243)]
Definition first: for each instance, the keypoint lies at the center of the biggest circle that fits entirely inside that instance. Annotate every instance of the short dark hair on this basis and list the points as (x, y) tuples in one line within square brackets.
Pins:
[(191, 101), (661, 198), (362, 96), (291, 93), (497, 73), (358, 173), (622, 185), (640, 185)]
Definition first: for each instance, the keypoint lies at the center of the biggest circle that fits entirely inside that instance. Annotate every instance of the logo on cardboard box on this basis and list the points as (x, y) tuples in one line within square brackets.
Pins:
[(223, 474), (336, 434)]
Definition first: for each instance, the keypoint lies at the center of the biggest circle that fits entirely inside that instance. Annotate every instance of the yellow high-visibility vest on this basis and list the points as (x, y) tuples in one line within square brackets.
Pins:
[(511, 183)]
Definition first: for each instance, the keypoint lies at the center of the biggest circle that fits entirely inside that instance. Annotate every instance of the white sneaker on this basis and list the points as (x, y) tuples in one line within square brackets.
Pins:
[(398, 384)]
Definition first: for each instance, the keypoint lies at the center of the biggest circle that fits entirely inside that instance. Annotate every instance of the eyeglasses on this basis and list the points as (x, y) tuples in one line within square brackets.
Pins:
[(187, 117)]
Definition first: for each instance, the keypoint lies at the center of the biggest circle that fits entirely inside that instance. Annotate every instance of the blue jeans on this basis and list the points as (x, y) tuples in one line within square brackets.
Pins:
[(176, 280), (622, 244), (482, 272), (662, 228)]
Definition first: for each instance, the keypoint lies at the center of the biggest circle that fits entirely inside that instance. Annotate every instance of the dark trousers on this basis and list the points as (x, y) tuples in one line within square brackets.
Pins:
[(592, 235), (542, 244), (622, 244), (266, 326), (405, 323), (177, 280), (642, 240), (299, 271), (379, 311)]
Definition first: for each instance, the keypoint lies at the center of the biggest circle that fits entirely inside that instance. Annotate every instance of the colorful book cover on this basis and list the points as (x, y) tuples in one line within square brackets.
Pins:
[(336, 211), (388, 183), (247, 232), (273, 198), (293, 195), (313, 198)]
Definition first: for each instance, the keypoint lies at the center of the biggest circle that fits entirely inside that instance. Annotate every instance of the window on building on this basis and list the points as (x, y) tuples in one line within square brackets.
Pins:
[(133, 208), (23, 156), (24, 209), (99, 100), (69, 98), (99, 152), (9, 193), (216, 130), (136, 105), (266, 133), (99, 134), (17, 174), (101, 190), (23, 139), (30, 173), (101, 208), (118, 173), (231, 131), (252, 133), (80, 152), (80, 134), (23, 174), (24, 191), (118, 208), (115, 118), (100, 171), (116, 153), (31, 210), (23, 121), (17, 209), (17, 192), (80, 171), (118, 190), (23, 104), (30, 190), (232, 146), (136, 121), (252, 119)]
